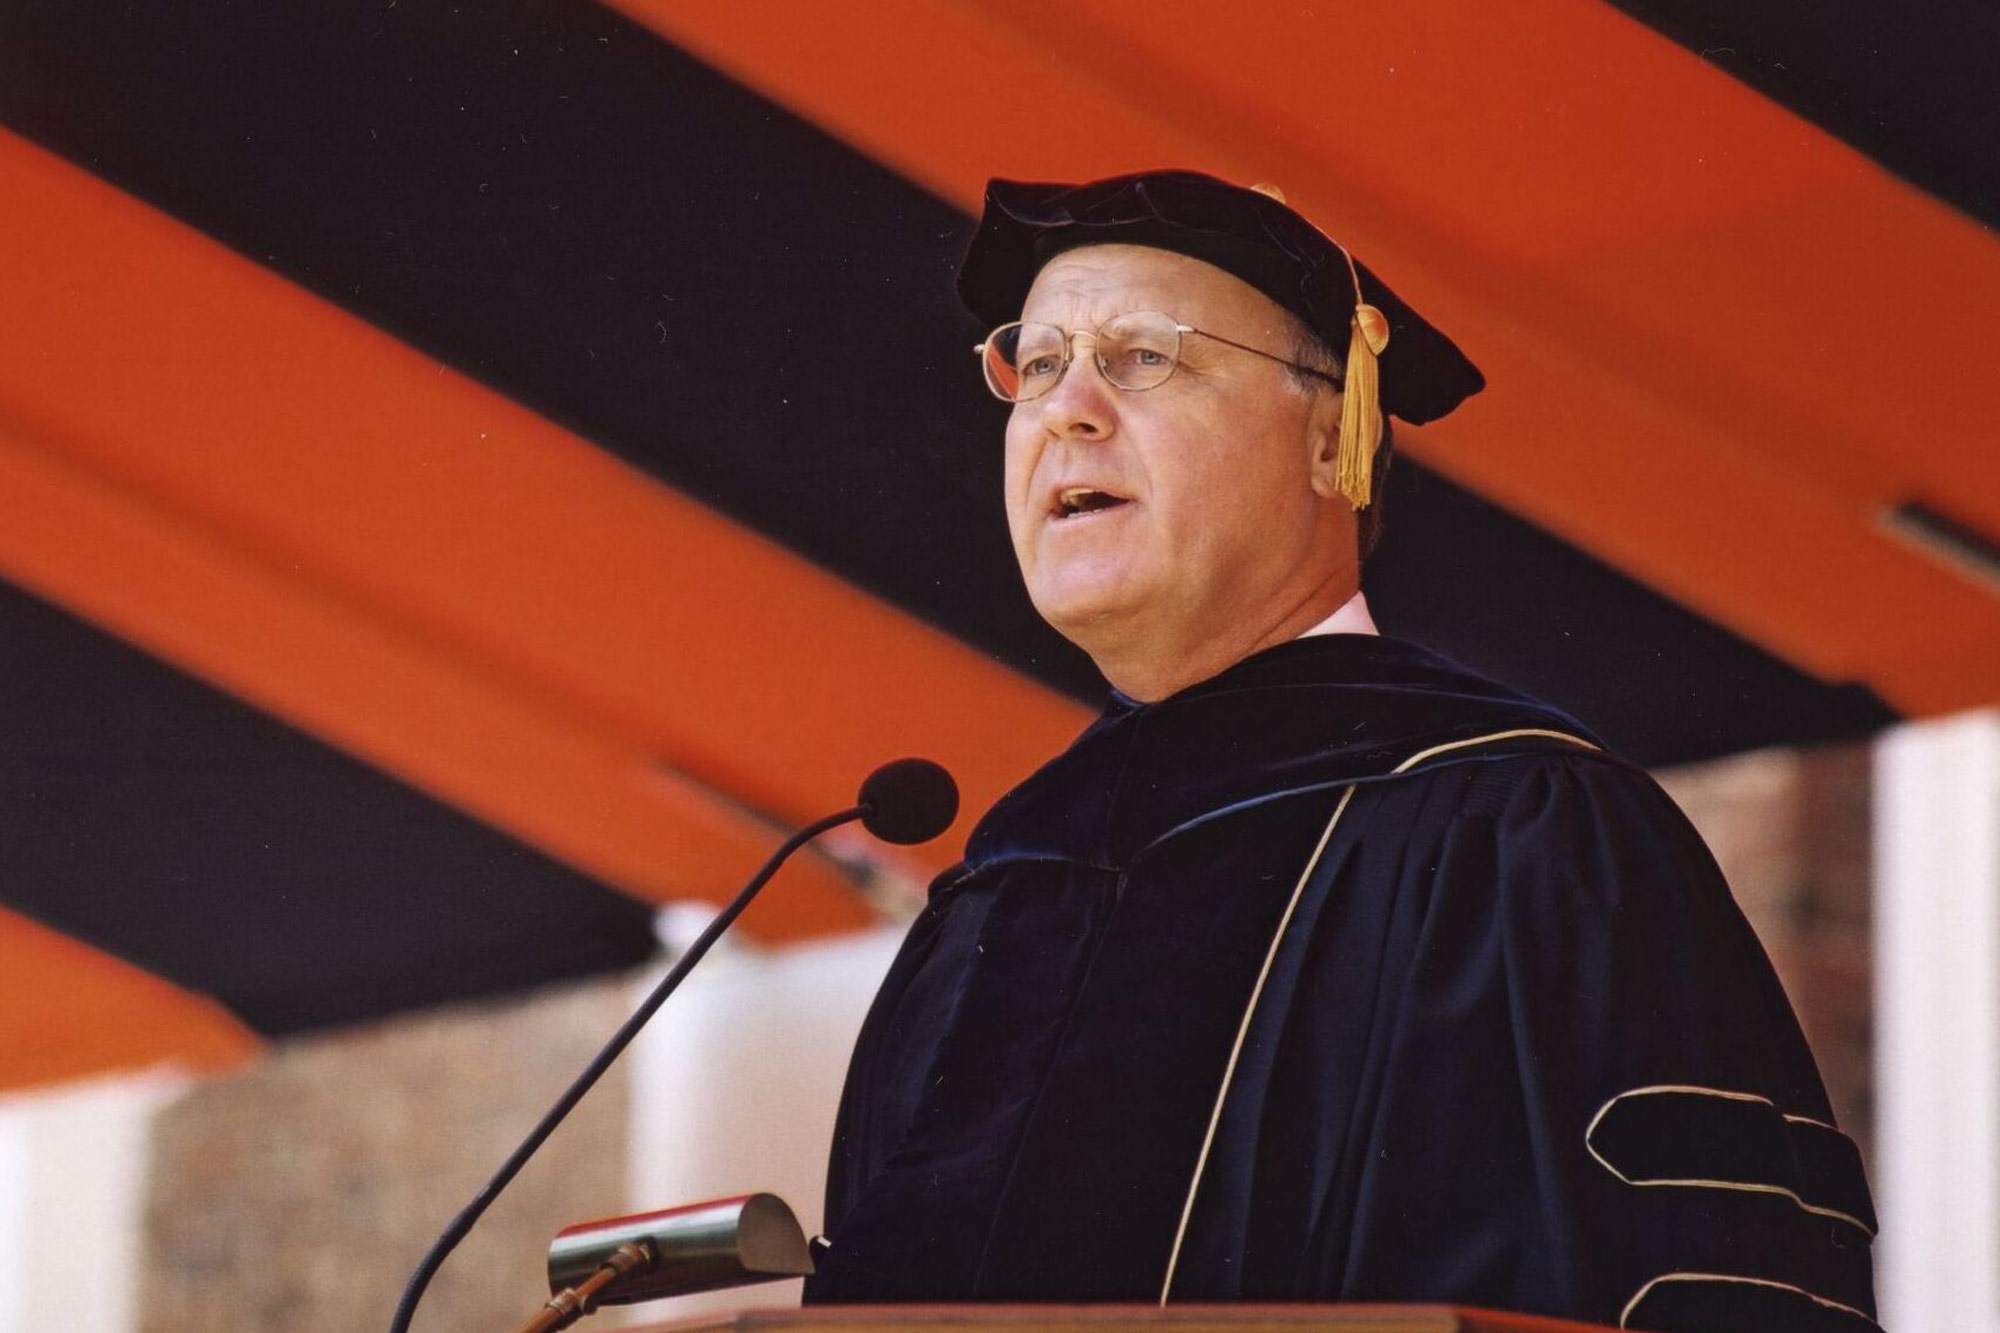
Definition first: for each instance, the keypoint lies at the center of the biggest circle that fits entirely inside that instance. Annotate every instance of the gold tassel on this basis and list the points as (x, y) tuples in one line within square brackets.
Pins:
[(1361, 407), (1361, 398)]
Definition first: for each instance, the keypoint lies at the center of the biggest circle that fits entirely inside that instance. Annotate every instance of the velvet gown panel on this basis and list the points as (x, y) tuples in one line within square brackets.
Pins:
[(1458, 1003)]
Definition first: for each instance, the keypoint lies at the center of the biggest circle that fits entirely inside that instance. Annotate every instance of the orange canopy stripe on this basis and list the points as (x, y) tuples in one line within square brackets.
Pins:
[(1721, 343), (70, 1011), (269, 492)]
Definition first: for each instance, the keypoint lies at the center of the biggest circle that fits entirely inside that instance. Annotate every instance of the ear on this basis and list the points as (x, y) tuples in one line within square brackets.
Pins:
[(1323, 441)]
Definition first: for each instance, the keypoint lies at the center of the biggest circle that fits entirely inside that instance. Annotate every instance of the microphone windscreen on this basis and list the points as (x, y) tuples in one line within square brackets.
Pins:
[(909, 800)]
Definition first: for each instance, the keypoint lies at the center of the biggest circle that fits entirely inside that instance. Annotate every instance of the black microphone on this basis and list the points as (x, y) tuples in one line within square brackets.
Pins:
[(909, 800), (906, 801)]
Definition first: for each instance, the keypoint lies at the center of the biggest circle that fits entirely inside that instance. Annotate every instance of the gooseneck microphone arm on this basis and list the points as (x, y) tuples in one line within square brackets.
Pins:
[(434, 1258), (905, 801)]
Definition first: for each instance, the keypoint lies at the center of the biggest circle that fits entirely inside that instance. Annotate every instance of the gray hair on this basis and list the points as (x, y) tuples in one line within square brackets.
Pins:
[(1309, 349)]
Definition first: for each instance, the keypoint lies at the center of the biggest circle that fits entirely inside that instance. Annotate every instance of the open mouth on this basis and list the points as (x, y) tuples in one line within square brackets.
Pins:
[(1073, 501)]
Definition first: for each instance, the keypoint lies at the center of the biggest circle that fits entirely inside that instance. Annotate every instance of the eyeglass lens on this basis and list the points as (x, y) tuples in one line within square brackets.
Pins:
[(1135, 350)]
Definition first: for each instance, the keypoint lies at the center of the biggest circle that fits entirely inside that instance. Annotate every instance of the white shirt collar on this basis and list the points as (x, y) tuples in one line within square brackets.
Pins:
[(1351, 618)]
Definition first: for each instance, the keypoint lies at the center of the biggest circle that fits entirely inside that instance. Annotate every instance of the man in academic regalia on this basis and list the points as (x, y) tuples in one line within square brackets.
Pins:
[(1318, 968)]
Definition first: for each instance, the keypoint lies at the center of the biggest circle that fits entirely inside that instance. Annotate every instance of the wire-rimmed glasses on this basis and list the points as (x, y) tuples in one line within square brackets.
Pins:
[(1137, 350)]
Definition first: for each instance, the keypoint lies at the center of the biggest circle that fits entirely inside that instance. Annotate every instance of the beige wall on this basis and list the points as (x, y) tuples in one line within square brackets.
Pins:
[(296, 1197), (1791, 830)]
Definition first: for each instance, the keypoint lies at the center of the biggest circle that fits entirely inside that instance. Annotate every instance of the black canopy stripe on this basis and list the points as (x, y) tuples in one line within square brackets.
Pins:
[(171, 824)]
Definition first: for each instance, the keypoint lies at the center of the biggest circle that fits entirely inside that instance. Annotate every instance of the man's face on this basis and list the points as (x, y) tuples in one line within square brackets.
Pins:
[(1217, 522)]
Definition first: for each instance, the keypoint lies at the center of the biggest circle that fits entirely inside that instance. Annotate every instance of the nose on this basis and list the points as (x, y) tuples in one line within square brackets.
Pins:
[(1083, 405)]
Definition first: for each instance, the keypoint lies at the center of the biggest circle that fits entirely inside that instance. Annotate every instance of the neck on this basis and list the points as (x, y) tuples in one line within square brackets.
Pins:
[(1161, 665)]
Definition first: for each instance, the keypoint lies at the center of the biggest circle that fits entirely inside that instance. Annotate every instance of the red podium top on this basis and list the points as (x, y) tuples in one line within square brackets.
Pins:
[(1127, 1319)]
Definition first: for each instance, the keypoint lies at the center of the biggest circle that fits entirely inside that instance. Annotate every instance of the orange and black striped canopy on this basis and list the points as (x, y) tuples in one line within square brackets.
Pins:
[(467, 472)]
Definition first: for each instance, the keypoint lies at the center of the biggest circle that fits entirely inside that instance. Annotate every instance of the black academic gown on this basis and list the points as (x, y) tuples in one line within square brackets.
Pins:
[(1346, 975)]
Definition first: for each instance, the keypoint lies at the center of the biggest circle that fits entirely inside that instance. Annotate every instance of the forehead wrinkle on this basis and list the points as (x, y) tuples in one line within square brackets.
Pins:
[(1081, 288), (1083, 299)]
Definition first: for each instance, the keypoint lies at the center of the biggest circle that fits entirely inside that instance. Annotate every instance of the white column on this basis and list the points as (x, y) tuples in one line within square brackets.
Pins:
[(1937, 952), (735, 1083), (72, 1197)]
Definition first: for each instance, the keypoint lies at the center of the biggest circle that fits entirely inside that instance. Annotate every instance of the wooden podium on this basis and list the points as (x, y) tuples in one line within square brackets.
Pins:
[(1124, 1319)]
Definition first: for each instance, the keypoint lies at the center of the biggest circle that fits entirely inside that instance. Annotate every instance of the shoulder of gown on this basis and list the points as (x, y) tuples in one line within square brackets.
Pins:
[(1594, 1071)]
